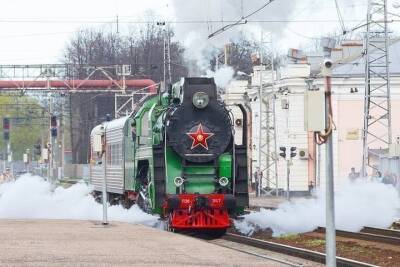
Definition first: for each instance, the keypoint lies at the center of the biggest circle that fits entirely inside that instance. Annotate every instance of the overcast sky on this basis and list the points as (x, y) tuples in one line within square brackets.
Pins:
[(37, 31)]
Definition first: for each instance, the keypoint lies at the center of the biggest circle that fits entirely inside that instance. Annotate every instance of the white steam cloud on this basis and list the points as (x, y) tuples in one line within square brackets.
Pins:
[(290, 22), (222, 76), (202, 18), (358, 204), (31, 197)]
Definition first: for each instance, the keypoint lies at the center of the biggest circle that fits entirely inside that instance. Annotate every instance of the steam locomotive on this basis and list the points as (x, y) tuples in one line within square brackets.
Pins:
[(177, 156)]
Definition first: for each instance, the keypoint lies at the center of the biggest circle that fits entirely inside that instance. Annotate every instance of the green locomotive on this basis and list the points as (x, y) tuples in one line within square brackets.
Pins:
[(176, 156)]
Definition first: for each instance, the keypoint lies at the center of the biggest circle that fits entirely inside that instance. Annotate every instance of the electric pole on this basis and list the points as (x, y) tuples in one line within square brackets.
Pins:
[(330, 233), (377, 130), (266, 142)]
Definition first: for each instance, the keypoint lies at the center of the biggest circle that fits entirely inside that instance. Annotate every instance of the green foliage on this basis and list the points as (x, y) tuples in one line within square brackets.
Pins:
[(26, 123), (289, 236), (315, 242)]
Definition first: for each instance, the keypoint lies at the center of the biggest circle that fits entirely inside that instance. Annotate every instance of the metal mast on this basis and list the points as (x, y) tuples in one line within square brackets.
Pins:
[(267, 146), (377, 131)]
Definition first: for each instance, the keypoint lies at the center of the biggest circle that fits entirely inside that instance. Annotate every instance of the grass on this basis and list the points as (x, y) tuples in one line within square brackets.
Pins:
[(289, 237), (315, 242)]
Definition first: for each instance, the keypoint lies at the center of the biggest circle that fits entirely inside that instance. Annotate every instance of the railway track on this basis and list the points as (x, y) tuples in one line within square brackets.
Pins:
[(381, 231), (292, 251), (216, 241), (372, 234), (378, 235)]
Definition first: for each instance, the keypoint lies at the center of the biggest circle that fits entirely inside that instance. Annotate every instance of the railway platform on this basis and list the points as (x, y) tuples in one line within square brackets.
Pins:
[(86, 243)]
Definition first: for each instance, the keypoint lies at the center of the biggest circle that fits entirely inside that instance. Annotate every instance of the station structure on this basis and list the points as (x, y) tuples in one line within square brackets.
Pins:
[(301, 73), (77, 97)]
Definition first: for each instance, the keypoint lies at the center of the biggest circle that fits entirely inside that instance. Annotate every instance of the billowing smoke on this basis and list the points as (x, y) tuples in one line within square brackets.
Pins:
[(358, 204), (194, 31), (290, 22), (222, 76), (31, 197)]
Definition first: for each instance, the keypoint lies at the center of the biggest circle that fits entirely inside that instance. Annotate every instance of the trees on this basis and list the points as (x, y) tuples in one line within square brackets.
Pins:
[(142, 48), (239, 51), (26, 119)]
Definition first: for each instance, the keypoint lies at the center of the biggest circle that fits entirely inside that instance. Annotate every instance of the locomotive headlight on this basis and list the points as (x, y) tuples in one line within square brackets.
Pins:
[(200, 100), (178, 181), (223, 181)]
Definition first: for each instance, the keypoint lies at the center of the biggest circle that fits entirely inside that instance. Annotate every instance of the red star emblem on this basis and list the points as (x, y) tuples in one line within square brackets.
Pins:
[(199, 137)]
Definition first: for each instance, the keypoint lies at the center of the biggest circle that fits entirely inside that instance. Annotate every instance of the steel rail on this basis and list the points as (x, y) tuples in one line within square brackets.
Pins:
[(210, 239), (258, 255), (367, 236), (293, 251), (381, 231)]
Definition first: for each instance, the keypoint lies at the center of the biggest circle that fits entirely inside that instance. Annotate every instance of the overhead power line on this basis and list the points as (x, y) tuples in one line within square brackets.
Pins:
[(189, 21), (242, 20), (340, 17)]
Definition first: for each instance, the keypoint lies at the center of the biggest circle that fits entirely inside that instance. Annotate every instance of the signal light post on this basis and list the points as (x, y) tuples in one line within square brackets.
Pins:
[(6, 138), (53, 136), (37, 152), (288, 164)]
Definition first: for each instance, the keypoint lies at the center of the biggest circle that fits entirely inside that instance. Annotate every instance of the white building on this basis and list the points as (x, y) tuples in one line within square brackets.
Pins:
[(348, 114)]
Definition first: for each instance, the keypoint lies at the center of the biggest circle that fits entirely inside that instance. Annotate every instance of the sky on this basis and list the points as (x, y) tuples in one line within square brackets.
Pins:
[(37, 31)]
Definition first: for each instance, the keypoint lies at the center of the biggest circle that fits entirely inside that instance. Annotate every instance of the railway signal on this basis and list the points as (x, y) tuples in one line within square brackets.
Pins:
[(289, 162), (37, 149), (53, 152), (283, 153), (6, 124), (53, 126), (53, 132), (6, 137), (293, 152), (6, 129), (53, 121)]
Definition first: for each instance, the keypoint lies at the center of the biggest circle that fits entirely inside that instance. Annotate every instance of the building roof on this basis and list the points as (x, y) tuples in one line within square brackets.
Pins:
[(356, 66)]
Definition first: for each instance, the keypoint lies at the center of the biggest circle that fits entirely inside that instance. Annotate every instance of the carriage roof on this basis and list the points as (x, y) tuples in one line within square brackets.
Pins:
[(113, 125)]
